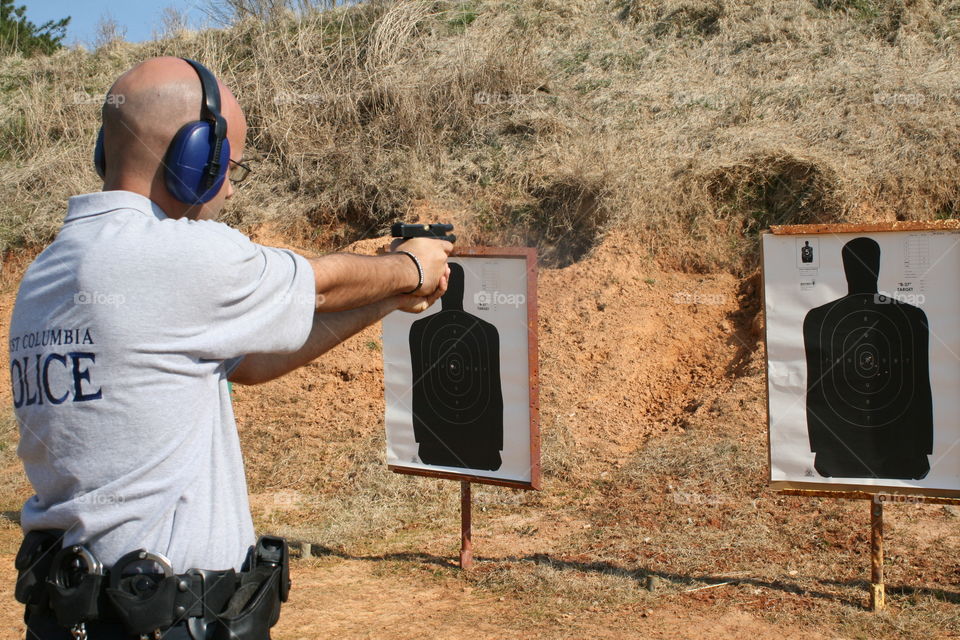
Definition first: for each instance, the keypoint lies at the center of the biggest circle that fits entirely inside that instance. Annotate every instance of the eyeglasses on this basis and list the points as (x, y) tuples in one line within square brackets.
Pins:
[(238, 171)]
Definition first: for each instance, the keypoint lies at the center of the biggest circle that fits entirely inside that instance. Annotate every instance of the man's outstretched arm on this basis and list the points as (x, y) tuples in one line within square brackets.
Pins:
[(329, 329), (347, 281)]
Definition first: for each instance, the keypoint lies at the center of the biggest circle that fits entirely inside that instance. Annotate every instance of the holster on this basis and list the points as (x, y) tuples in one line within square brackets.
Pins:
[(33, 565), (253, 609), (142, 615)]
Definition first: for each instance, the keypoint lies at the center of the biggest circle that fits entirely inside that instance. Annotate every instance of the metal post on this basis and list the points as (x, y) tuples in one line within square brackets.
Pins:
[(466, 544), (876, 555)]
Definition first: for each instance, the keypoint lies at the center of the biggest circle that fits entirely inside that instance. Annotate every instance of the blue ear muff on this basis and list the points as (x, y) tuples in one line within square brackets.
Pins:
[(198, 158), (99, 161), (188, 160)]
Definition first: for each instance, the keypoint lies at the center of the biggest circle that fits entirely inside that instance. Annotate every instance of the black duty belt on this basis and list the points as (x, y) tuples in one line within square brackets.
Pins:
[(142, 593)]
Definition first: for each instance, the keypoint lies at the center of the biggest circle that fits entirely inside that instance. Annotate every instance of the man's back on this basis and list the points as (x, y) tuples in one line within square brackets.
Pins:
[(123, 334)]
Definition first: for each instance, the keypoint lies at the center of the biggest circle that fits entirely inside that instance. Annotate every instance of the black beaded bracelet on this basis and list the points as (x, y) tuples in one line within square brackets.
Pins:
[(419, 271)]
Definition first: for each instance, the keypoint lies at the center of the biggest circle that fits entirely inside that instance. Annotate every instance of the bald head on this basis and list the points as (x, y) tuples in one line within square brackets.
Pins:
[(144, 109)]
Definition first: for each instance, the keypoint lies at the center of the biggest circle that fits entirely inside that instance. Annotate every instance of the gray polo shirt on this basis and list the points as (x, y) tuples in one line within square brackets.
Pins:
[(123, 334)]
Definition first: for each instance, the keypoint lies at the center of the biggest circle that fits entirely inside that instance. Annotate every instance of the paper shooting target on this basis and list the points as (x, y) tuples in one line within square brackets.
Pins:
[(460, 378)]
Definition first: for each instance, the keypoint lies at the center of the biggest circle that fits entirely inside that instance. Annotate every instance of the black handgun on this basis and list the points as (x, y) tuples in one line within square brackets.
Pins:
[(438, 231)]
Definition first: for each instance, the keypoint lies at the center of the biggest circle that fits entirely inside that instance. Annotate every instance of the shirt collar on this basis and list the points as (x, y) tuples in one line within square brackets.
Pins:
[(91, 204)]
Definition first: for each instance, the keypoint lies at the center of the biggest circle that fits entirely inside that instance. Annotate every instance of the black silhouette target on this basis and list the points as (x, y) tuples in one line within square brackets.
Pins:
[(457, 395), (869, 404)]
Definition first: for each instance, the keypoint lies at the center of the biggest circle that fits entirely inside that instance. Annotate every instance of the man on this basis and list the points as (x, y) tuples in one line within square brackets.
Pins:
[(128, 327)]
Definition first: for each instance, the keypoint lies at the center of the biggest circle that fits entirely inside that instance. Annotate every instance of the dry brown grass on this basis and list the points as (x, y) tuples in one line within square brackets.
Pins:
[(16, 488), (694, 122), (343, 498)]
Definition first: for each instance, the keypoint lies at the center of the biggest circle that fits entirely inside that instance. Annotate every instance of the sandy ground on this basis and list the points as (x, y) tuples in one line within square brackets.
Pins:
[(356, 598)]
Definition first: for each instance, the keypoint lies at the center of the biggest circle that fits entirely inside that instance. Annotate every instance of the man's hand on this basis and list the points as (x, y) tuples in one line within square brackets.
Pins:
[(415, 304), (432, 254)]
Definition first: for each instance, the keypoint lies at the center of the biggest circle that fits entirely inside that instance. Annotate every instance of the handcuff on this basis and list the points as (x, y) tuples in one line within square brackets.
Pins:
[(139, 573), (76, 573)]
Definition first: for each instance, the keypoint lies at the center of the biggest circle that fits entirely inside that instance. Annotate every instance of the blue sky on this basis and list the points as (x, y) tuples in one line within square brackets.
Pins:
[(140, 17)]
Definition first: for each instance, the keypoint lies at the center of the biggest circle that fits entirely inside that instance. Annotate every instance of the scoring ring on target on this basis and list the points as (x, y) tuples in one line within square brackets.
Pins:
[(867, 353), (456, 381)]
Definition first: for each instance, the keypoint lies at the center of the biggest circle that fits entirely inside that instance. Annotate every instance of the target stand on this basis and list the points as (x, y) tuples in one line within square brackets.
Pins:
[(858, 318), (877, 500), (461, 380)]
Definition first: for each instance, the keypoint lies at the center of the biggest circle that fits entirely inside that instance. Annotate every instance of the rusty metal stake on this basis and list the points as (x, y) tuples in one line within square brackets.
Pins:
[(466, 544), (876, 555)]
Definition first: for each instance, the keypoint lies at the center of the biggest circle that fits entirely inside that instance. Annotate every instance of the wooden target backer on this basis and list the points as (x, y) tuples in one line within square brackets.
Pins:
[(461, 379), (862, 336)]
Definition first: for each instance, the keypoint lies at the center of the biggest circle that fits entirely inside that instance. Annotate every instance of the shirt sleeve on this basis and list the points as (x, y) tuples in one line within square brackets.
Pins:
[(235, 297)]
